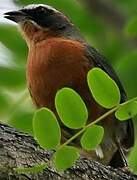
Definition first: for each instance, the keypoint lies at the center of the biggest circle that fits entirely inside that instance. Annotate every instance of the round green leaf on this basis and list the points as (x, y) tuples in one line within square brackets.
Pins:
[(104, 89), (46, 128), (65, 157), (71, 108), (92, 137), (126, 111)]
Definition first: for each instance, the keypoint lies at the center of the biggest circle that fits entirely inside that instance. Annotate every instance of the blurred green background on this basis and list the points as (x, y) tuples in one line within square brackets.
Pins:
[(108, 25)]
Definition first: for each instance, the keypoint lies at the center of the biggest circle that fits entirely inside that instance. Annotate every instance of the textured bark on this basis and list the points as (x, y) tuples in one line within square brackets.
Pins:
[(20, 150)]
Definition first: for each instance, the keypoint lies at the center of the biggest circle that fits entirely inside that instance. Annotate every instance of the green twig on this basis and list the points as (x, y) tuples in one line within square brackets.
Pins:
[(96, 121)]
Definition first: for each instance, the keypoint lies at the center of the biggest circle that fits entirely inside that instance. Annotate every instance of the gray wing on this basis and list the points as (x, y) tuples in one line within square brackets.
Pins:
[(101, 62)]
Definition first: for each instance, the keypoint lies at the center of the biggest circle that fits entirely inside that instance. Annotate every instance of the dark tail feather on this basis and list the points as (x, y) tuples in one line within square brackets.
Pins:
[(119, 159)]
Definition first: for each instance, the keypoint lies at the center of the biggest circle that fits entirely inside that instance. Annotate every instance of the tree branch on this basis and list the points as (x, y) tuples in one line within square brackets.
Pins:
[(20, 150)]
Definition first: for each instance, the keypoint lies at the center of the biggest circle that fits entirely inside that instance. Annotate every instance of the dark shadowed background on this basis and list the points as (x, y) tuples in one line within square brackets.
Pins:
[(108, 25)]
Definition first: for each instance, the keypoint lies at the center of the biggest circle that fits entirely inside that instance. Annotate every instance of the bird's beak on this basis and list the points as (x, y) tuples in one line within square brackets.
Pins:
[(16, 16)]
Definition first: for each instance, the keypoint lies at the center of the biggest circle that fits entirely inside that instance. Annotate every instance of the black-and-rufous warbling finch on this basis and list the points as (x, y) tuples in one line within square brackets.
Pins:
[(59, 56)]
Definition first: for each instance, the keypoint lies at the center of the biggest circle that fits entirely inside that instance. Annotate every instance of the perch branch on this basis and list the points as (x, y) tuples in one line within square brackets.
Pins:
[(21, 150)]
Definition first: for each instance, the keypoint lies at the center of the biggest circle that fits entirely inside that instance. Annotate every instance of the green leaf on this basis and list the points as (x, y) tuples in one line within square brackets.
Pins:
[(46, 129), (92, 137), (65, 157), (131, 27), (132, 158), (126, 111), (71, 108), (34, 169), (104, 89)]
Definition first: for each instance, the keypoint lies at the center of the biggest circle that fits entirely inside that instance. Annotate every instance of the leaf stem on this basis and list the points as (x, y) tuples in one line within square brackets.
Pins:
[(85, 127), (96, 121)]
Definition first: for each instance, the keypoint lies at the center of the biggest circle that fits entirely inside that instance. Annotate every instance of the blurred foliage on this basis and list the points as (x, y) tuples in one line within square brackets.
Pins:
[(131, 27), (119, 45), (19, 48), (12, 77)]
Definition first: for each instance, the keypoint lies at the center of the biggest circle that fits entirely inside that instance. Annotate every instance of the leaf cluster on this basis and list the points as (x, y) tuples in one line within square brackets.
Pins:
[(73, 113)]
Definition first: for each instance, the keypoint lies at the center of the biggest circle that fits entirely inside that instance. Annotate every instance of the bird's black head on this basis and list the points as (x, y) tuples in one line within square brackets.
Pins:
[(40, 15)]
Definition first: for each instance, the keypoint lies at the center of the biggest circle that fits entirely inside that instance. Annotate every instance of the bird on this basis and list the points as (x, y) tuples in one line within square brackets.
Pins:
[(59, 56)]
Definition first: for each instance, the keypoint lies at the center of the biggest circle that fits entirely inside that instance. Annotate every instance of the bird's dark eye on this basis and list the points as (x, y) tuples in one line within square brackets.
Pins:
[(42, 9)]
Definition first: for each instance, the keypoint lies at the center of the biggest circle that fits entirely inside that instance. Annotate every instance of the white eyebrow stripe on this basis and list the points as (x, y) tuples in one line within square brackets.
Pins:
[(33, 6)]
